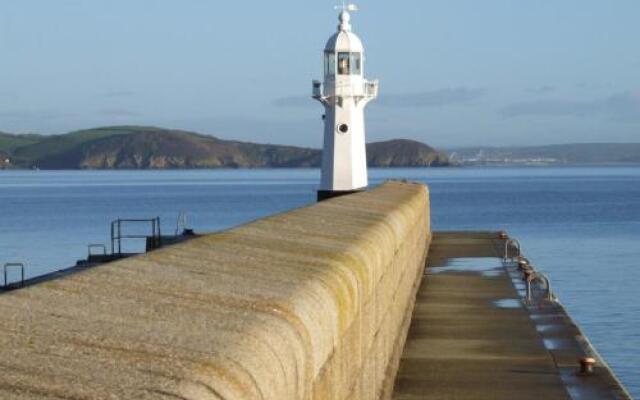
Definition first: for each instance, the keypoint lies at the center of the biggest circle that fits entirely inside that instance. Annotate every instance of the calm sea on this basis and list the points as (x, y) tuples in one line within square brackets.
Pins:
[(581, 225)]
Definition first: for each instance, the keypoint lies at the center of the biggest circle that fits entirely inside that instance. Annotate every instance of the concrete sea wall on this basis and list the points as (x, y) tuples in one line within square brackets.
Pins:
[(310, 304)]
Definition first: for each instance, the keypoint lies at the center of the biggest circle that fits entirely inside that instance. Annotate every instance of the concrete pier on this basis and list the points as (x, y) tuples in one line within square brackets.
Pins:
[(312, 304), (473, 336)]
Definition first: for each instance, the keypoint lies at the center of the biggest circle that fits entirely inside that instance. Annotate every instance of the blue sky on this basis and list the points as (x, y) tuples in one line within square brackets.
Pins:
[(452, 72)]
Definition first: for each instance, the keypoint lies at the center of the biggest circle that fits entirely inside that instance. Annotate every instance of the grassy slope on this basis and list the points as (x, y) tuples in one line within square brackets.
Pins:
[(9, 143), (58, 144)]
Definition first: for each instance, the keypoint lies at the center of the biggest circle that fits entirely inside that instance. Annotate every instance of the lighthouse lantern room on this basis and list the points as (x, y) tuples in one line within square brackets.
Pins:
[(344, 93)]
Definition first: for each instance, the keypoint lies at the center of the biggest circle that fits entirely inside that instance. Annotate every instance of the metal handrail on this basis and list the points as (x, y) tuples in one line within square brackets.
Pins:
[(369, 89), (528, 280), (182, 221), (528, 270), (14, 265), (96, 246), (508, 243), (550, 296), (530, 276), (117, 236)]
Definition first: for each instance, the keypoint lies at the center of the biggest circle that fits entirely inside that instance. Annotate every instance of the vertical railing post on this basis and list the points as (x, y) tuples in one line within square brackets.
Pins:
[(153, 234), (113, 249), (159, 234), (119, 237)]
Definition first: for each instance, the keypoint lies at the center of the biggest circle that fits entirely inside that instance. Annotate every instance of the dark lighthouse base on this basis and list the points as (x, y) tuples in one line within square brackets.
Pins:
[(330, 194)]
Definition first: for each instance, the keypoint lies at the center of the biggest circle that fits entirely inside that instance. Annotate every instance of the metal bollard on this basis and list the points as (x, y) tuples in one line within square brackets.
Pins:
[(523, 263), (586, 365)]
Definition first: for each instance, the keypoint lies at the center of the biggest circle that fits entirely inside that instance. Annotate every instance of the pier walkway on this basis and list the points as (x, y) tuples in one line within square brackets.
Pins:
[(473, 337)]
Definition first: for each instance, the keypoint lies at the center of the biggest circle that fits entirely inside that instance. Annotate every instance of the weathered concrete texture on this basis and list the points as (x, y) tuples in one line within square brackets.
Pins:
[(310, 304)]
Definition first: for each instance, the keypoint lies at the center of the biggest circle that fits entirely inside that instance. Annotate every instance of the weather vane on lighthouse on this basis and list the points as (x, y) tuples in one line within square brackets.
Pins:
[(346, 7), (344, 93)]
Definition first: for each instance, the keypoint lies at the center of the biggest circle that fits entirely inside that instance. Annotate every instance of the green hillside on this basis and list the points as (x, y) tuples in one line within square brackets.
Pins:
[(9, 143), (49, 146), (155, 148)]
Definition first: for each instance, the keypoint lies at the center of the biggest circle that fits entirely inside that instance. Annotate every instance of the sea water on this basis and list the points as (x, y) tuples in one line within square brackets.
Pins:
[(581, 225)]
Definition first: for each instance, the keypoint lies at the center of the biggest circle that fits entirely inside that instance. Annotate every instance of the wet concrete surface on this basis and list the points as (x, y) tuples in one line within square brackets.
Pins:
[(474, 335)]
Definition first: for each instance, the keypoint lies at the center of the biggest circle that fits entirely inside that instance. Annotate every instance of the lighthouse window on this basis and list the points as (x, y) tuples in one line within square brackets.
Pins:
[(356, 64), (330, 64), (344, 64), (349, 63)]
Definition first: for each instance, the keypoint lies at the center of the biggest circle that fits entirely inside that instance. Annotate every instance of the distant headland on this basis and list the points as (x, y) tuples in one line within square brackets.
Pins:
[(133, 147)]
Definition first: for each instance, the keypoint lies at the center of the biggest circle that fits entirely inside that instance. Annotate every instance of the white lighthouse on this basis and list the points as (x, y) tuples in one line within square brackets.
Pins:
[(344, 94)]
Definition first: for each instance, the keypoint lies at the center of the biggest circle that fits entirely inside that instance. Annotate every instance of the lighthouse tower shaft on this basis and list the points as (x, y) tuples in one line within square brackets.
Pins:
[(344, 93)]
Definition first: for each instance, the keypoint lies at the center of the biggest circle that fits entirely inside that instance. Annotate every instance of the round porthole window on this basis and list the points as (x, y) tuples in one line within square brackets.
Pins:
[(343, 128)]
